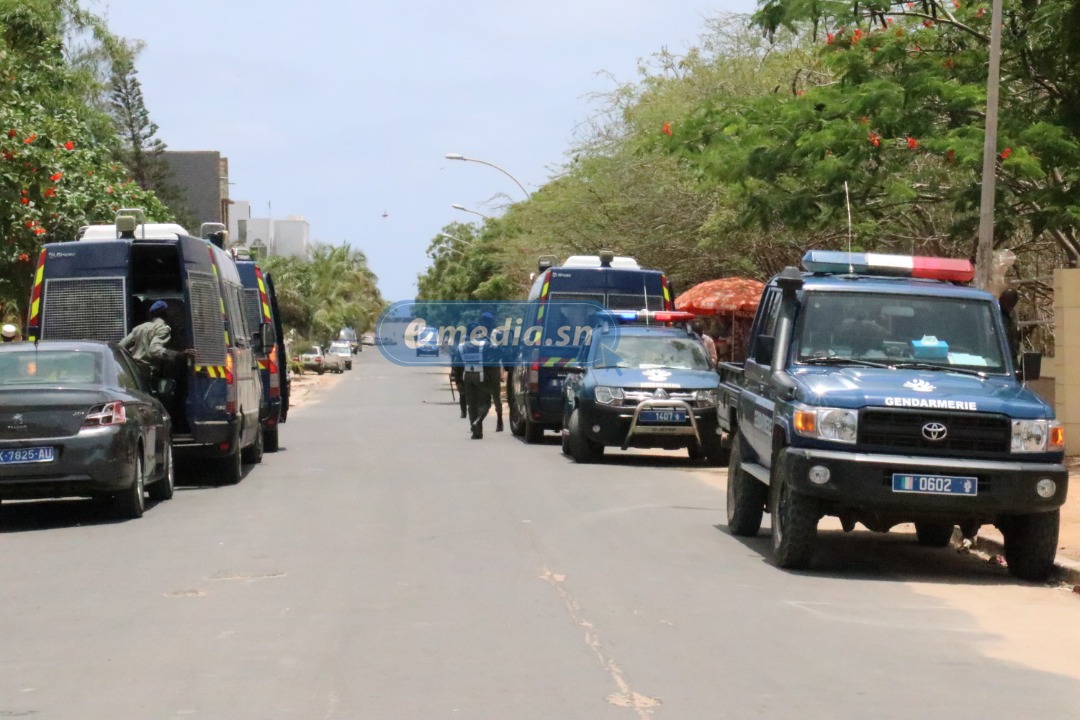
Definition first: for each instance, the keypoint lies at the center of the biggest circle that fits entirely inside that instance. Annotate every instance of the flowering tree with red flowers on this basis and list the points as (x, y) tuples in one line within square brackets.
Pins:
[(55, 145)]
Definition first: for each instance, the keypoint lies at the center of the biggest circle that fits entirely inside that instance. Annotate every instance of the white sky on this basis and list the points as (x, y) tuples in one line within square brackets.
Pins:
[(339, 111)]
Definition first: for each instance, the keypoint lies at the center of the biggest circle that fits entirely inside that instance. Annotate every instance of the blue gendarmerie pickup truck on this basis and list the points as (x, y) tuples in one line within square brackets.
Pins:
[(881, 389)]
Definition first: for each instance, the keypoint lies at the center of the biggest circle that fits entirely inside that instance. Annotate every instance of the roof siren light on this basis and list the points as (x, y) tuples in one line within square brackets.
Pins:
[(606, 258), (910, 266)]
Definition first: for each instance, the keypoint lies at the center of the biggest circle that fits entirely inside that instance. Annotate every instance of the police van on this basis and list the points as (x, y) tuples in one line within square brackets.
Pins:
[(102, 285), (263, 316), (535, 388)]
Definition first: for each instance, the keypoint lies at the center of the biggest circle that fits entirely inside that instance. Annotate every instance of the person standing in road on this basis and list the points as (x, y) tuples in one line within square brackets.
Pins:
[(493, 369), (9, 333), (456, 372), (469, 355), (148, 343)]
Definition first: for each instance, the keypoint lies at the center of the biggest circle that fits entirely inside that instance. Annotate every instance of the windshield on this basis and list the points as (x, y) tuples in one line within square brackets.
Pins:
[(653, 352), (31, 367), (341, 349), (897, 329)]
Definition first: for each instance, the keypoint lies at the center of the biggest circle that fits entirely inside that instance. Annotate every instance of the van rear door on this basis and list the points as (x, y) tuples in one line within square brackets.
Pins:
[(204, 306), (83, 292)]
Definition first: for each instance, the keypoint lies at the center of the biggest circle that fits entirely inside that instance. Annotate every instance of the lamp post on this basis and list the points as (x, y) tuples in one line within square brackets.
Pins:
[(462, 208), (459, 156), (984, 253)]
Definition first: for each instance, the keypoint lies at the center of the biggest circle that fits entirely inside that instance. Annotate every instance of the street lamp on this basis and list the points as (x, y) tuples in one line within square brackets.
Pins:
[(459, 156), (462, 208)]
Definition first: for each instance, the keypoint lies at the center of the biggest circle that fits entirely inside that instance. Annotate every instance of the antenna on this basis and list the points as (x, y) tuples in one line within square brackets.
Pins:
[(645, 289), (847, 202)]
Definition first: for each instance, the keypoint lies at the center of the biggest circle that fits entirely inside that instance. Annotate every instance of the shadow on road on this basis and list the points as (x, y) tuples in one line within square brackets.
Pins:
[(31, 515), (889, 557)]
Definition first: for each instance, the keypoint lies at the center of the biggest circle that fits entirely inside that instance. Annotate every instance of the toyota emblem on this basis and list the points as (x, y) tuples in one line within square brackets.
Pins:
[(660, 394), (934, 431)]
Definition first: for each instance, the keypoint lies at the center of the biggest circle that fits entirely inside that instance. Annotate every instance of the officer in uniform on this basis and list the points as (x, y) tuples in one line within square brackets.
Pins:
[(469, 356), (493, 369)]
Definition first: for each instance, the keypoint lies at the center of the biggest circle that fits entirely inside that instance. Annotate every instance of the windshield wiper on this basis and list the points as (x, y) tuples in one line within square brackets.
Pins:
[(943, 368), (844, 361)]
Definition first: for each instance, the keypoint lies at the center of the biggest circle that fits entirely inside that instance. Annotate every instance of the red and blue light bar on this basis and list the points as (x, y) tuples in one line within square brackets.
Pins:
[(660, 316), (912, 266)]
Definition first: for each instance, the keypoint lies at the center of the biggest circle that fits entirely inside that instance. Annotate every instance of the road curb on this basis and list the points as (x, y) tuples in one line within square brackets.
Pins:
[(1066, 571)]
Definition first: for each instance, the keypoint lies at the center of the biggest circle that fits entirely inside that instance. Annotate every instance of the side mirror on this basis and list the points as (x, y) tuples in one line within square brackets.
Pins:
[(763, 349), (165, 388), (267, 336), (1030, 366)]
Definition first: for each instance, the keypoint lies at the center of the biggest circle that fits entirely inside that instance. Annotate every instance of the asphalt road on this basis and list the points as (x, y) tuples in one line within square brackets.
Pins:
[(384, 566)]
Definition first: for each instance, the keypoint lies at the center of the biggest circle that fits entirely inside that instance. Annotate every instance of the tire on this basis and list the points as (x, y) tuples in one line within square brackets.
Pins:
[(716, 454), (230, 469), (1031, 545), (164, 488), (320, 371), (582, 449), (270, 439), (935, 535), (794, 524), (534, 432), (565, 436), (517, 408), (253, 453), (746, 496), (129, 504)]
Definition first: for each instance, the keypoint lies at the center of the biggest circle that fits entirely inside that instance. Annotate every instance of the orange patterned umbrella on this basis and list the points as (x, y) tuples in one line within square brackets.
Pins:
[(726, 296)]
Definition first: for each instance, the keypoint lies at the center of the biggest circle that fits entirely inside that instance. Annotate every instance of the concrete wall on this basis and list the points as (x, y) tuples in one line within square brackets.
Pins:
[(198, 176), (1066, 367), (292, 237)]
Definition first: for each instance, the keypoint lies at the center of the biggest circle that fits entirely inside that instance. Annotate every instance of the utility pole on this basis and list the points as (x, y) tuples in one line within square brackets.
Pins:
[(984, 254)]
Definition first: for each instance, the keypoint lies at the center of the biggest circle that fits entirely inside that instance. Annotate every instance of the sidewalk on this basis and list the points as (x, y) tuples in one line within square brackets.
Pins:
[(1068, 556)]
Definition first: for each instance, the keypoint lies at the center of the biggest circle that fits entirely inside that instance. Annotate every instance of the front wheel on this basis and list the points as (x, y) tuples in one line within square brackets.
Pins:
[(1031, 544), (746, 496), (130, 503), (516, 401), (582, 449), (164, 488), (794, 523)]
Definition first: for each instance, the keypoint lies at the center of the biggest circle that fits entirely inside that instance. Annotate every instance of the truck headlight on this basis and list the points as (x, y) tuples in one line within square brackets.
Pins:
[(1032, 436), (609, 395), (835, 424), (705, 398)]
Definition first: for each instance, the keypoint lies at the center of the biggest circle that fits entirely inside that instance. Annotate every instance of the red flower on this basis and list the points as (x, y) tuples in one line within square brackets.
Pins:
[(50, 192), (928, 23), (912, 143), (875, 139), (829, 38), (31, 138), (956, 4), (24, 258), (12, 133), (9, 155), (949, 63), (666, 128), (981, 12), (109, 189), (39, 230), (31, 223), (1006, 153), (25, 191), (55, 177), (856, 36), (24, 201), (951, 156), (69, 145)]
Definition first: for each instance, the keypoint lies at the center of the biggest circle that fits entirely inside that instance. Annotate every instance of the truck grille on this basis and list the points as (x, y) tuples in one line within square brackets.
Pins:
[(635, 397), (887, 430), (85, 309), (206, 314)]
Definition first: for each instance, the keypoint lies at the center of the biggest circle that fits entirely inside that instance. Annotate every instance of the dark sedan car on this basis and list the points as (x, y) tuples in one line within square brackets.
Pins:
[(77, 420)]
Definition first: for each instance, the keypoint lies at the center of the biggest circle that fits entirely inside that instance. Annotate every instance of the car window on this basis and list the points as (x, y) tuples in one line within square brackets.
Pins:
[(127, 373), (646, 353), (32, 366)]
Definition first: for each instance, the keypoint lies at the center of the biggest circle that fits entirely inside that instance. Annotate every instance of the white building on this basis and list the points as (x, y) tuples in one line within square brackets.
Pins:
[(290, 237)]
